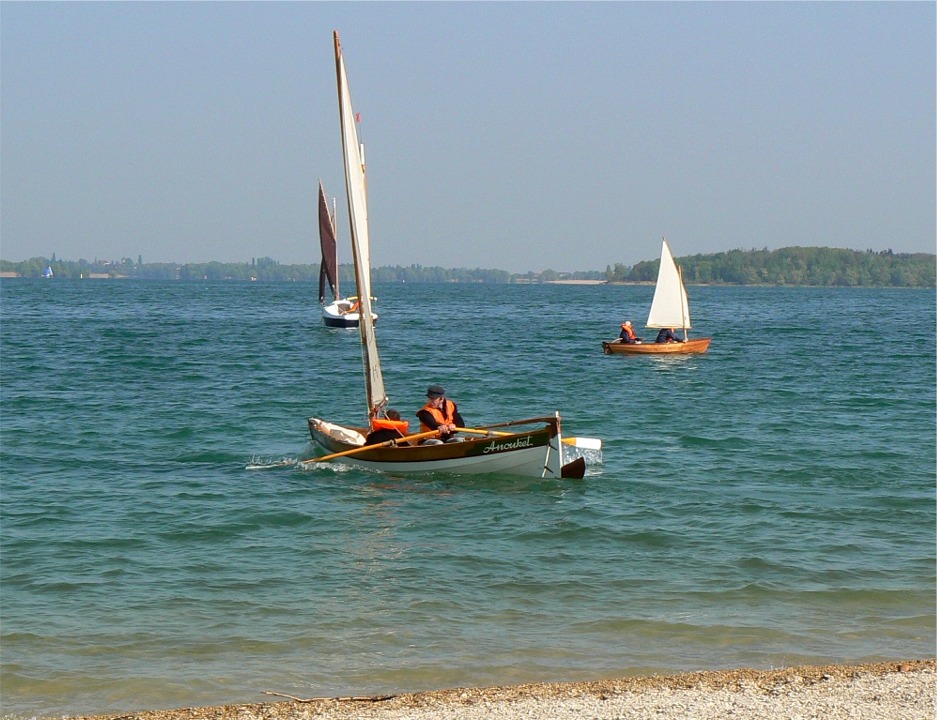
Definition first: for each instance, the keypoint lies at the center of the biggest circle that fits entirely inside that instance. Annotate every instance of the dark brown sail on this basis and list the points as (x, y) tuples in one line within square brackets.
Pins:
[(328, 270)]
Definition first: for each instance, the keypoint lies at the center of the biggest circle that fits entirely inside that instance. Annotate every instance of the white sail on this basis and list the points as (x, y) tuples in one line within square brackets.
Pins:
[(669, 309), (356, 187)]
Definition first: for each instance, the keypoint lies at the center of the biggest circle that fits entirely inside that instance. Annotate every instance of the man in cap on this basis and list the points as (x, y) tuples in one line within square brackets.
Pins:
[(667, 335), (627, 334), (439, 413)]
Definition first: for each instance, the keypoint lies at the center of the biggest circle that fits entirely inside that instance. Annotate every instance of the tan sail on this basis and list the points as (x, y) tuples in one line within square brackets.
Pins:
[(357, 190)]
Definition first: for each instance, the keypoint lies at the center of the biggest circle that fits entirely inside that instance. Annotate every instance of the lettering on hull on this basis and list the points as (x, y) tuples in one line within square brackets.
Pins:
[(496, 447)]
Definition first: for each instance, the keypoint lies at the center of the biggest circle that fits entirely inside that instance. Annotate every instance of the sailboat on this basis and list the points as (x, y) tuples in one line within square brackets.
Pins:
[(531, 447), (669, 309), (340, 312)]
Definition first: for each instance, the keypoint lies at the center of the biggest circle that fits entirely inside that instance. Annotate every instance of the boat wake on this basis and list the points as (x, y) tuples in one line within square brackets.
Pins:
[(257, 463), (591, 456)]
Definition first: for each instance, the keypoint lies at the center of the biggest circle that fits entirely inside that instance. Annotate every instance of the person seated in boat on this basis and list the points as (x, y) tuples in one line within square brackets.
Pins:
[(627, 335), (666, 335), (389, 427), (439, 413), (353, 308)]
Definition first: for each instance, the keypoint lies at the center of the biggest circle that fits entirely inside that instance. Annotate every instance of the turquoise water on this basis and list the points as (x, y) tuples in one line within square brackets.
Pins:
[(769, 503)]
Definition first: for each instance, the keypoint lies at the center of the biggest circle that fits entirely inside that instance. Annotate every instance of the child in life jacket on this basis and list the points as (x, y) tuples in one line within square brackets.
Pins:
[(387, 428), (627, 334)]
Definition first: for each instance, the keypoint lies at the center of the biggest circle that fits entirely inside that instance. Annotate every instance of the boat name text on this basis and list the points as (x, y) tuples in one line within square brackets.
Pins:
[(496, 446)]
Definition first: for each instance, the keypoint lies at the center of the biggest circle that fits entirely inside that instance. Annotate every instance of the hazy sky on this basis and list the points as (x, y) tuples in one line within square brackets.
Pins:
[(520, 136)]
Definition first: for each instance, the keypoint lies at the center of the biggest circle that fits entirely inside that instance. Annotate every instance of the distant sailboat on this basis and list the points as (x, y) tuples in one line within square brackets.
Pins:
[(669, 309), (48, 272), (340, 312)]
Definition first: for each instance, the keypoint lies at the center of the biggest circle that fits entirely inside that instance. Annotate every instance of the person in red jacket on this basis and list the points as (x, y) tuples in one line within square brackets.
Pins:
[(627, 334), (439, 413)]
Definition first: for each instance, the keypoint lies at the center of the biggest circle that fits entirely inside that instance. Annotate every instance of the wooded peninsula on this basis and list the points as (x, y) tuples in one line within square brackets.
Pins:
[(793, 266)]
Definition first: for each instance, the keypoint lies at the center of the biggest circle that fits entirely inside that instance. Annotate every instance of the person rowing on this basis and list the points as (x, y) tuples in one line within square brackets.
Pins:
[(439, 413), (666, 335)]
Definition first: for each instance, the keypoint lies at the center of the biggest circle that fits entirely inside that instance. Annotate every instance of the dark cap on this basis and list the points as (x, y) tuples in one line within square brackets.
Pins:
[(435, 391)]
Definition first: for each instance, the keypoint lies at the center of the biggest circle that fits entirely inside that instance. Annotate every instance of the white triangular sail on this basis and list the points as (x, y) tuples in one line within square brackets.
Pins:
[(356, 187), (669, 309)]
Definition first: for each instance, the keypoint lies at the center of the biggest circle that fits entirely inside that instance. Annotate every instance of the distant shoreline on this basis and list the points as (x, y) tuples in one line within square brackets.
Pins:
[(576, 282), (791, 266), (615, 283)]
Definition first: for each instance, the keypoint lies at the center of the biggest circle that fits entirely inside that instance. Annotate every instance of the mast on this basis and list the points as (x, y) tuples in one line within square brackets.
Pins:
[(683, 302), (334, 218)]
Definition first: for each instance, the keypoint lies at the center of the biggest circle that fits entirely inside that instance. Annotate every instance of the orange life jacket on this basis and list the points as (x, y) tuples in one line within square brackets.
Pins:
[(628, 329), (400, 426), (443, 415)]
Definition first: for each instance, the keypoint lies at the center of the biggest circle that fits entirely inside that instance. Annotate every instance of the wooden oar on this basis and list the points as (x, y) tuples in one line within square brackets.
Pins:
[(579, 442), (476, 431), (386, 443)]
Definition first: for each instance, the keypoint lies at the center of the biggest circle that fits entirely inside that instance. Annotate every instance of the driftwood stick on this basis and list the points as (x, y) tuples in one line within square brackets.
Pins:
[(349, 698)]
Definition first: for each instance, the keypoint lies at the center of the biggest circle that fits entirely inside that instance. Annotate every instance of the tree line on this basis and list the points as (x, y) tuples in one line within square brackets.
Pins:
[(811, 266)]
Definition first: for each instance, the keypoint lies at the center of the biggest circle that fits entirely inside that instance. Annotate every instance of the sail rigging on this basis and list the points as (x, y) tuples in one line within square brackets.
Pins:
[(533, 452)]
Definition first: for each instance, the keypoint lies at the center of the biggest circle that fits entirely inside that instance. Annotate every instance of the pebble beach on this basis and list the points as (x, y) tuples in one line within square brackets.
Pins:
[(879, 691)]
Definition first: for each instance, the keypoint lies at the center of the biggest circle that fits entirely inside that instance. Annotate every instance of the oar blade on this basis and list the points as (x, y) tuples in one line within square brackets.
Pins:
[(584, 443)]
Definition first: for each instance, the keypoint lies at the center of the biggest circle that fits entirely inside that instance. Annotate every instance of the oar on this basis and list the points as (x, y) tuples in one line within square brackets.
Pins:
[(583, 443), (387, 443)]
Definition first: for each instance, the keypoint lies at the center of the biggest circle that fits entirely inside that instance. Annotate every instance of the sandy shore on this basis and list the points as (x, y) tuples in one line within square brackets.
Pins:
[(881, 691)]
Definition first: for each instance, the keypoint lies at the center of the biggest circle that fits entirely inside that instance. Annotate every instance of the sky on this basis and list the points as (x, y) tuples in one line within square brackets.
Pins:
[(518, 136)]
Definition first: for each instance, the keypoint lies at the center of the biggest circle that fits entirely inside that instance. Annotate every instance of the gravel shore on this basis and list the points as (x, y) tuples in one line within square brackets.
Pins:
[(880, 691)]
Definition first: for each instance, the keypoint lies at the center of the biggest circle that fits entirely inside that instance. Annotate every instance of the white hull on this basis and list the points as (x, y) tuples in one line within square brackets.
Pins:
[(528, 463), (335, 315), (534, 453)]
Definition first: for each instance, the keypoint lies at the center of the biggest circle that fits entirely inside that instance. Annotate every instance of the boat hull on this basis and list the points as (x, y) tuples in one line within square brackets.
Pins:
[(533, 453), (696, 345), (336, 315)]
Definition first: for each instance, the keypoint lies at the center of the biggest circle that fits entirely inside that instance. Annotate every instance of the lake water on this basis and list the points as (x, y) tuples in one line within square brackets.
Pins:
[(769, 503)]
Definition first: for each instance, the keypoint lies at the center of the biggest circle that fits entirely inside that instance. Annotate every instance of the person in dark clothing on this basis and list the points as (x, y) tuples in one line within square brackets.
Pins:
[(666, 335), (390, 427), (627, 335), (439, 413)]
